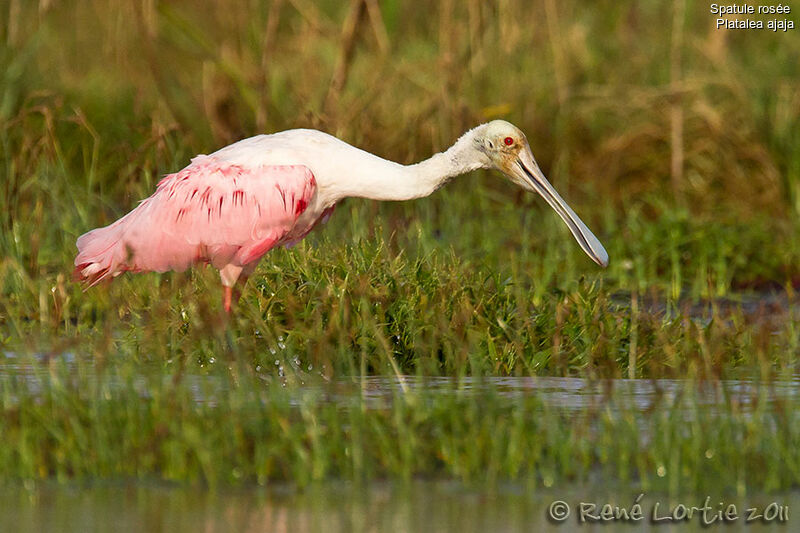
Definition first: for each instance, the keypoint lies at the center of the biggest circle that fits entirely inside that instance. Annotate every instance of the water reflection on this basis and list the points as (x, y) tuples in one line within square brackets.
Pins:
[(580, 393), (566, 393), (340, 507)]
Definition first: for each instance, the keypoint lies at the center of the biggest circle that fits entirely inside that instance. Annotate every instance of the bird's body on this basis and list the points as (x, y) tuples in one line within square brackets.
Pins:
[(231, 207)]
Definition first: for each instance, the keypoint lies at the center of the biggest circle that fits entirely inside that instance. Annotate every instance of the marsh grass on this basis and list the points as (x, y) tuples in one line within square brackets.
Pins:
[(239, 426), (98, 100)]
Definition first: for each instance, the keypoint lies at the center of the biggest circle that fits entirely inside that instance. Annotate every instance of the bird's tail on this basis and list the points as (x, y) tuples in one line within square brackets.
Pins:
[(101, 254)]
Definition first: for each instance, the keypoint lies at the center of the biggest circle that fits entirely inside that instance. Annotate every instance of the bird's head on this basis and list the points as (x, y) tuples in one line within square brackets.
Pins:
[(506, 149)]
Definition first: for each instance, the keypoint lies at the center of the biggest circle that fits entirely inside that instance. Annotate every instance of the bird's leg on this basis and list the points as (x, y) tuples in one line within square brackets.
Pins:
[(229, 275), (226, 298)]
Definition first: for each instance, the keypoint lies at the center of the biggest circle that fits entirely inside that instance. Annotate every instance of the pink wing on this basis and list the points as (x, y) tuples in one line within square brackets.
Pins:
[(210, 211)]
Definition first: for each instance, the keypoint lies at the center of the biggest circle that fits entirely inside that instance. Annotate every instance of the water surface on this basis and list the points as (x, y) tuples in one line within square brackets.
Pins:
[(418, 506)]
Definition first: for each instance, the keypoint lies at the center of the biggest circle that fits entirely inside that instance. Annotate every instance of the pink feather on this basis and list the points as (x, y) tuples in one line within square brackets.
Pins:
[(211, 211)]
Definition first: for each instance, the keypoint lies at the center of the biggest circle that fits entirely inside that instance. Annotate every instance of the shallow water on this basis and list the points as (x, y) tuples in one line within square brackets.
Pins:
[(566, 393), (579, 393), (416, 506), (772, 308), (338, 507)]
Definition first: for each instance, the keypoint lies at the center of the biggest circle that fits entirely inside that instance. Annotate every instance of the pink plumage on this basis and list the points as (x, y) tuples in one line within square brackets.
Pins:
[(212, 211)]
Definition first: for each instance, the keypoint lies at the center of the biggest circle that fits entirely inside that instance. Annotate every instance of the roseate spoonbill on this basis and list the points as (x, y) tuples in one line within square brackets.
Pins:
[(231, 207)]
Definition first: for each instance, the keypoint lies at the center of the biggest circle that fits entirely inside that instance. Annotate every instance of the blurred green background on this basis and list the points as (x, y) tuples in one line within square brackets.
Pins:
[(633, 109)]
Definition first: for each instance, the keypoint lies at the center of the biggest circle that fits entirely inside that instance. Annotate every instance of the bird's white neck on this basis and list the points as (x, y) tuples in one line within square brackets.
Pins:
[(432, 173), (378, 179)]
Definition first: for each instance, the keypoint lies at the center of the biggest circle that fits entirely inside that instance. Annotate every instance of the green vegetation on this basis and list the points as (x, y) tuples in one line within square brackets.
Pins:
[(675, 142), (238, 426)]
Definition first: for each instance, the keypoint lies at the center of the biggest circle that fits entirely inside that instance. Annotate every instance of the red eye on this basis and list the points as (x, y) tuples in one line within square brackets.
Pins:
[(509, 141)]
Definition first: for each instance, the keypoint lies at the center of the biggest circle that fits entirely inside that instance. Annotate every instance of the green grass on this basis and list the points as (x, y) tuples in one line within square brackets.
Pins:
[(132, 420), (97, 101)]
